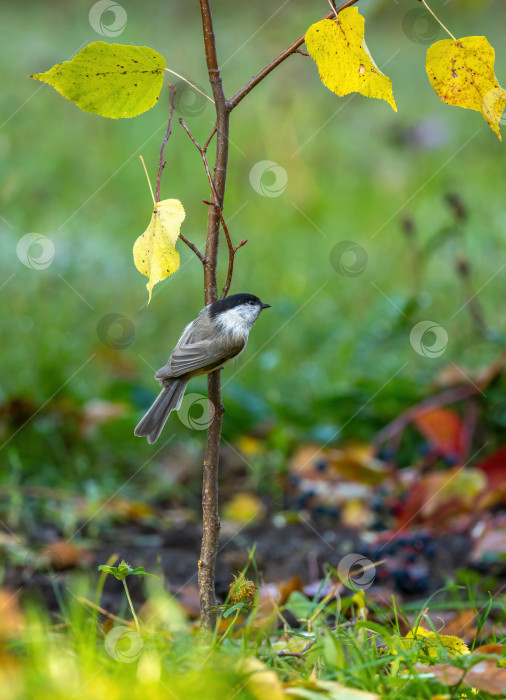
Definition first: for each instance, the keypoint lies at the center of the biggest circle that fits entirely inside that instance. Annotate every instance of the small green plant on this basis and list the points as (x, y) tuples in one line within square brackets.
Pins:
[(121, 572)]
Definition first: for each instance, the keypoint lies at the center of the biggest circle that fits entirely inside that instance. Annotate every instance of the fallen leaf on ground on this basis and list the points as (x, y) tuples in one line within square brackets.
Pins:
[(459, 624), (11, 619), (319, 690), (494, 466), (485, 675), (442, 496), (244, 508), (61, 554), (489, 541), (442, 427), (263, 683)]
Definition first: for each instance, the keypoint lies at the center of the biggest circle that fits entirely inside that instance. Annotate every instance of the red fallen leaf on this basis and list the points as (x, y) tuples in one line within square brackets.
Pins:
[(485, 675), (443, 428), (494, 467), (440, 497)]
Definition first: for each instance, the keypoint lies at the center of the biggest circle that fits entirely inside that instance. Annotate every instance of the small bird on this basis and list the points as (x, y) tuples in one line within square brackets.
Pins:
[(218, 334)]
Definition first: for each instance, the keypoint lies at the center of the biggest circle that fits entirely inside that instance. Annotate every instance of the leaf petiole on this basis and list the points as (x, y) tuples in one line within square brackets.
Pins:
[(439, 21)]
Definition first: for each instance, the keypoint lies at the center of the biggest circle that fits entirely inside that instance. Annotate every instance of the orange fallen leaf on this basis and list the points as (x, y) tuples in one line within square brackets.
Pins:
[(61, 554), (442, 427)]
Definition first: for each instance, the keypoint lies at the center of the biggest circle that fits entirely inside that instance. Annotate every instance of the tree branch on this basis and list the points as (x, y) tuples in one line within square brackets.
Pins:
[(241, 94), (202, 151), (193, 247), (232, 250), (161, 166), (210, 515)]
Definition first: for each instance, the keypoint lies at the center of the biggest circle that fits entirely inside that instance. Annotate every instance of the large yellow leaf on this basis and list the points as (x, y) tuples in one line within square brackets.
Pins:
[(155, 253), (343, 59), (462, 74), (113, 80)]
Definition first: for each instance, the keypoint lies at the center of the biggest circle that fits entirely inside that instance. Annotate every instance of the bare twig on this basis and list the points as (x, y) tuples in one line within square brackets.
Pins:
[(90, 604), (161, 166), (241, 94), (210, 138), (202, 151), (300, 653), (193, 247), (232, 250)]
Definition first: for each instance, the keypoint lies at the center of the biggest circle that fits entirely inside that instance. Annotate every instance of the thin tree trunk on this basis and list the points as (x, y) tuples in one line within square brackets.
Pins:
[(210, 515)]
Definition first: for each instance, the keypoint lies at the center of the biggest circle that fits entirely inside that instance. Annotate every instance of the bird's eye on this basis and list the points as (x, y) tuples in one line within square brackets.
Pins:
[(251, 303)]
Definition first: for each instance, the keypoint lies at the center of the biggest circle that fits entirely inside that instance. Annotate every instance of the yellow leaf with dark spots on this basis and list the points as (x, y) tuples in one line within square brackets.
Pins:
[(462, 74), (155, 253), (343, 59), (113, 80)]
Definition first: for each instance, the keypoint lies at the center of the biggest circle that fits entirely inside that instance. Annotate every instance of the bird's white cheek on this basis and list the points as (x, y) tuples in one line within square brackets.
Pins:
[(237, 322)]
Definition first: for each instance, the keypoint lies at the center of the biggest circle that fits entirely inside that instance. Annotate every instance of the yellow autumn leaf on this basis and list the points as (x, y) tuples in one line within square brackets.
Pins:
[(155, 253), (262, 682), (343, 59), (462, 74)]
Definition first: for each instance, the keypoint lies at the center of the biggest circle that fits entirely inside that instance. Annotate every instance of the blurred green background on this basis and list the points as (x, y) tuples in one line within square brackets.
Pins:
[(335, 349)]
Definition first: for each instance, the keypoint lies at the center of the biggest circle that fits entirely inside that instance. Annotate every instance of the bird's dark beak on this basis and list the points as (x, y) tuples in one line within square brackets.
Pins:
[(266, 306)]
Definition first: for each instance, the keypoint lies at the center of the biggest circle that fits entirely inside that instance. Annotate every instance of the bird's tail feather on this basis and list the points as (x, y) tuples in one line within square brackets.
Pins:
[(168, 400)]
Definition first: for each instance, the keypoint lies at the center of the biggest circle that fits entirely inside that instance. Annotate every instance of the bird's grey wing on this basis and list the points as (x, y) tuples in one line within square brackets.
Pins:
[(194, 357)]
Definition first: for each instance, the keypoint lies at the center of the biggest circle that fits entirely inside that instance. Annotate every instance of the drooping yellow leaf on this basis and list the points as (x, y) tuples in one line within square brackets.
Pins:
[(155, 253), (462, 74), (343, 59)]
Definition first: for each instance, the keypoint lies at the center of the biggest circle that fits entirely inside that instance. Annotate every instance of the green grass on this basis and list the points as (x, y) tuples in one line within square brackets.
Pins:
[(81, 654)]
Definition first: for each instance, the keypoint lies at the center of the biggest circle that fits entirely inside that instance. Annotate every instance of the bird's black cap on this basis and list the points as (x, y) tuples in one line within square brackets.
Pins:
[(234, 300)]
